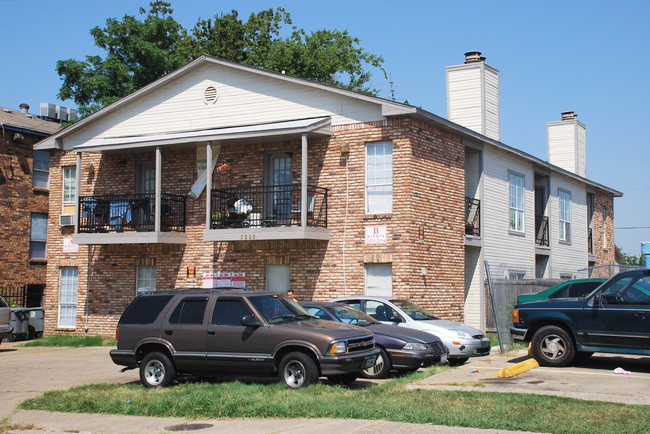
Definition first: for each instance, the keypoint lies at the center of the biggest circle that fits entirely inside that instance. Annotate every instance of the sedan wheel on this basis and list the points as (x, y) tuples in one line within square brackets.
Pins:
[(380, 369)]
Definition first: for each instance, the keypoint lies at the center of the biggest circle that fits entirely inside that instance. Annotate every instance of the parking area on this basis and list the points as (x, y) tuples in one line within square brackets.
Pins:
[(34, 370), (593, 379)]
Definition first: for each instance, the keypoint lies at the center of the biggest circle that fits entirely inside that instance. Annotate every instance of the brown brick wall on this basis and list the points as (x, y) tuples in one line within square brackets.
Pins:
[(18, 200), (603, 221), (428, 193)]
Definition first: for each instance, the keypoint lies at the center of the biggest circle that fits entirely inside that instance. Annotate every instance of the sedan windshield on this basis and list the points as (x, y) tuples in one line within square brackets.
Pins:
[(413, 310), (277, 308), (350, 315)]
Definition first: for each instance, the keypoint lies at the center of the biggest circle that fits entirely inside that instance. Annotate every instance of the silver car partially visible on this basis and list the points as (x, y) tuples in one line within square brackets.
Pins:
[(462, 340), (5, 320)]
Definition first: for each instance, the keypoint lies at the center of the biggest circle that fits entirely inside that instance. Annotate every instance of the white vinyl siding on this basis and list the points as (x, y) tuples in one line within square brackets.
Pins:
[(564, 201), (41, 175), (68, 280), (379, 177), (69, 185), (517, 185), (379, 279), (145, 279), (242, 96), (38, 237)]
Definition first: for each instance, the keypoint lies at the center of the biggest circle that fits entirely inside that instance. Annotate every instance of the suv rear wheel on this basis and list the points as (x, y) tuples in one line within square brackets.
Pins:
[(298, 370), (553, 346), (156, 370)]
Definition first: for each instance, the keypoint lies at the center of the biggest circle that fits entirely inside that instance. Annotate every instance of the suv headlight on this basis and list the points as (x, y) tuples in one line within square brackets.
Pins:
[(416, 346), (338, 347)]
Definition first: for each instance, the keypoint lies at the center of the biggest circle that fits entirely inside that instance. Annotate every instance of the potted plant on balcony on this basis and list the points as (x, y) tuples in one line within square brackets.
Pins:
[(469, 228), (270, 221), (217, 220)]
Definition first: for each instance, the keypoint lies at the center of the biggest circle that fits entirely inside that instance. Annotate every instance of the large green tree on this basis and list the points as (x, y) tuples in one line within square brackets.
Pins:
[(141, 51)]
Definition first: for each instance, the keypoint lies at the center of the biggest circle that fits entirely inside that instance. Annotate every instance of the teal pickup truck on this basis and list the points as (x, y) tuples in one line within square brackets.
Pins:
[(615, 318)]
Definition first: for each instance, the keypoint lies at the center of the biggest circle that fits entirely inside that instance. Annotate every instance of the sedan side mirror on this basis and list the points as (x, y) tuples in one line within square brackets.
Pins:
[(598, 299), (250, 321)]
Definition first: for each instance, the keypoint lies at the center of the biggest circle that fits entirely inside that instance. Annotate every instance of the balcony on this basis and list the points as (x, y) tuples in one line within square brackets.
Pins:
[(267, 213), (590, 241), (541, 230), (130, 218), (472, 217)]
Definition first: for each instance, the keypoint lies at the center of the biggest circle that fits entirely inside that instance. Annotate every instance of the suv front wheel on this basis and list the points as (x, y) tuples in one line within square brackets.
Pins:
[(298, 370), (156, 370), (553, 346)]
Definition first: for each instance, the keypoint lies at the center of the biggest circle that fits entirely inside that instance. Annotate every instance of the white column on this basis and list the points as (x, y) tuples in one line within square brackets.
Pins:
[(303, 184), (158, 190), (208, 184), (78, 191)]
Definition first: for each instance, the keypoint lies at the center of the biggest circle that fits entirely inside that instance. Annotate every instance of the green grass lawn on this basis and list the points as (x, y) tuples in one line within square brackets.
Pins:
[(388, 401), (70, 341)]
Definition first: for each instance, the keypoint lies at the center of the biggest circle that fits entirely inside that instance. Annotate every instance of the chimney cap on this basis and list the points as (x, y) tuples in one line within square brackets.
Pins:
[(474, 57), (24, 108), (569, 116)]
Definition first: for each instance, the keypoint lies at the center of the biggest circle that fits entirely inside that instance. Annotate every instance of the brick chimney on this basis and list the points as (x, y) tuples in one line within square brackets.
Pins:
[(567, 143), (473, 95)]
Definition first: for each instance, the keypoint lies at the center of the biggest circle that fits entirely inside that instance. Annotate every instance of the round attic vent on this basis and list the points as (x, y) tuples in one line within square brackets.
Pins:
[(210, 95)]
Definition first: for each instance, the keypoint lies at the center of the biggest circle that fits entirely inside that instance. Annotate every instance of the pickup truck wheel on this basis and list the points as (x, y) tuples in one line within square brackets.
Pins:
[(298, 370), (553, 346), (156, 370), (381, 367)]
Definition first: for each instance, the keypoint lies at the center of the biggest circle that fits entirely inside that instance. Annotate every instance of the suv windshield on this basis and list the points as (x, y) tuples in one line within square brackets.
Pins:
[(350, 315), (413, 310), (277, 308)]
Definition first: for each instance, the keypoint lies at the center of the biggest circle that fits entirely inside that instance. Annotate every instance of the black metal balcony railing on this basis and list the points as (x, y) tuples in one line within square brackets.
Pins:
[(472, 216), (541, 230), (590, 240), (130, 212), (266, 206)]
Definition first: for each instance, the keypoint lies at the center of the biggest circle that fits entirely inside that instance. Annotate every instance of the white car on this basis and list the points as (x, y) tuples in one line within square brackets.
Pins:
[(462, 340)]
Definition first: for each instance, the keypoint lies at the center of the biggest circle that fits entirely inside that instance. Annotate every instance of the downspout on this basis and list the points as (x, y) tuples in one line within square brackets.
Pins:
[(78, 188)]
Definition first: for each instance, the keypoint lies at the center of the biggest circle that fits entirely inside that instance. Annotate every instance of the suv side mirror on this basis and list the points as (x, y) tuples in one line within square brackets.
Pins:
[(598, 299), (250, 321), (395, 319)]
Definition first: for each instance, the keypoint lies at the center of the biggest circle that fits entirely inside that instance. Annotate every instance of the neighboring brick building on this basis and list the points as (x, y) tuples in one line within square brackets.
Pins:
[(24, 205), (383, 185)]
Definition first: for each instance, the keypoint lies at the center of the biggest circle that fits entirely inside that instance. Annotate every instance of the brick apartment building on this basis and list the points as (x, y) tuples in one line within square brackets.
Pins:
[(24, 205), (310, 187)]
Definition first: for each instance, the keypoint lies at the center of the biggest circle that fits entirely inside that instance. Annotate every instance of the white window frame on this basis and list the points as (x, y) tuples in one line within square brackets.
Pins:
[(68, 286), (516, 202), (69, 189), (379, 279), (564, 215), (41, 166), (145, 279), (379, 178), (38, 225)]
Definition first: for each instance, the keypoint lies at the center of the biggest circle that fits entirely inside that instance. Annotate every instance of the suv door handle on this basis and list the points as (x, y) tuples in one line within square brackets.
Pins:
[(169, 332), (211, 332)]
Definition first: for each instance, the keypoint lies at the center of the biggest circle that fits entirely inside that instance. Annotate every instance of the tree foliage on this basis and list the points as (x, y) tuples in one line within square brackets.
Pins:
[(141, 51)]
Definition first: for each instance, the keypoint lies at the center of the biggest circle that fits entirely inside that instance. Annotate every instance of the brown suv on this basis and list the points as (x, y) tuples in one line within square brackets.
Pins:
[(207, 332)]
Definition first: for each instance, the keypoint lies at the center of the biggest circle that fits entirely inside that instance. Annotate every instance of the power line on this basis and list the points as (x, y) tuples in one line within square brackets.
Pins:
[(634, 227)]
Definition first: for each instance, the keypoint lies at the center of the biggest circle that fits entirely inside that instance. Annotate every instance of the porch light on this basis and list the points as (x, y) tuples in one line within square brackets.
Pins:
[(345, 148), (89, 169)]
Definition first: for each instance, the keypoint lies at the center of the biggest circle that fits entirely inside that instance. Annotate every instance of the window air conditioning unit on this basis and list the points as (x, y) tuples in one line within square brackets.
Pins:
[(66, 220)]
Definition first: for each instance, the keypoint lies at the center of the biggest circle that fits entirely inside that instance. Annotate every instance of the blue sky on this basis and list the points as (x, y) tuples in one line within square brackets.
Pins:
[(590, 57)]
